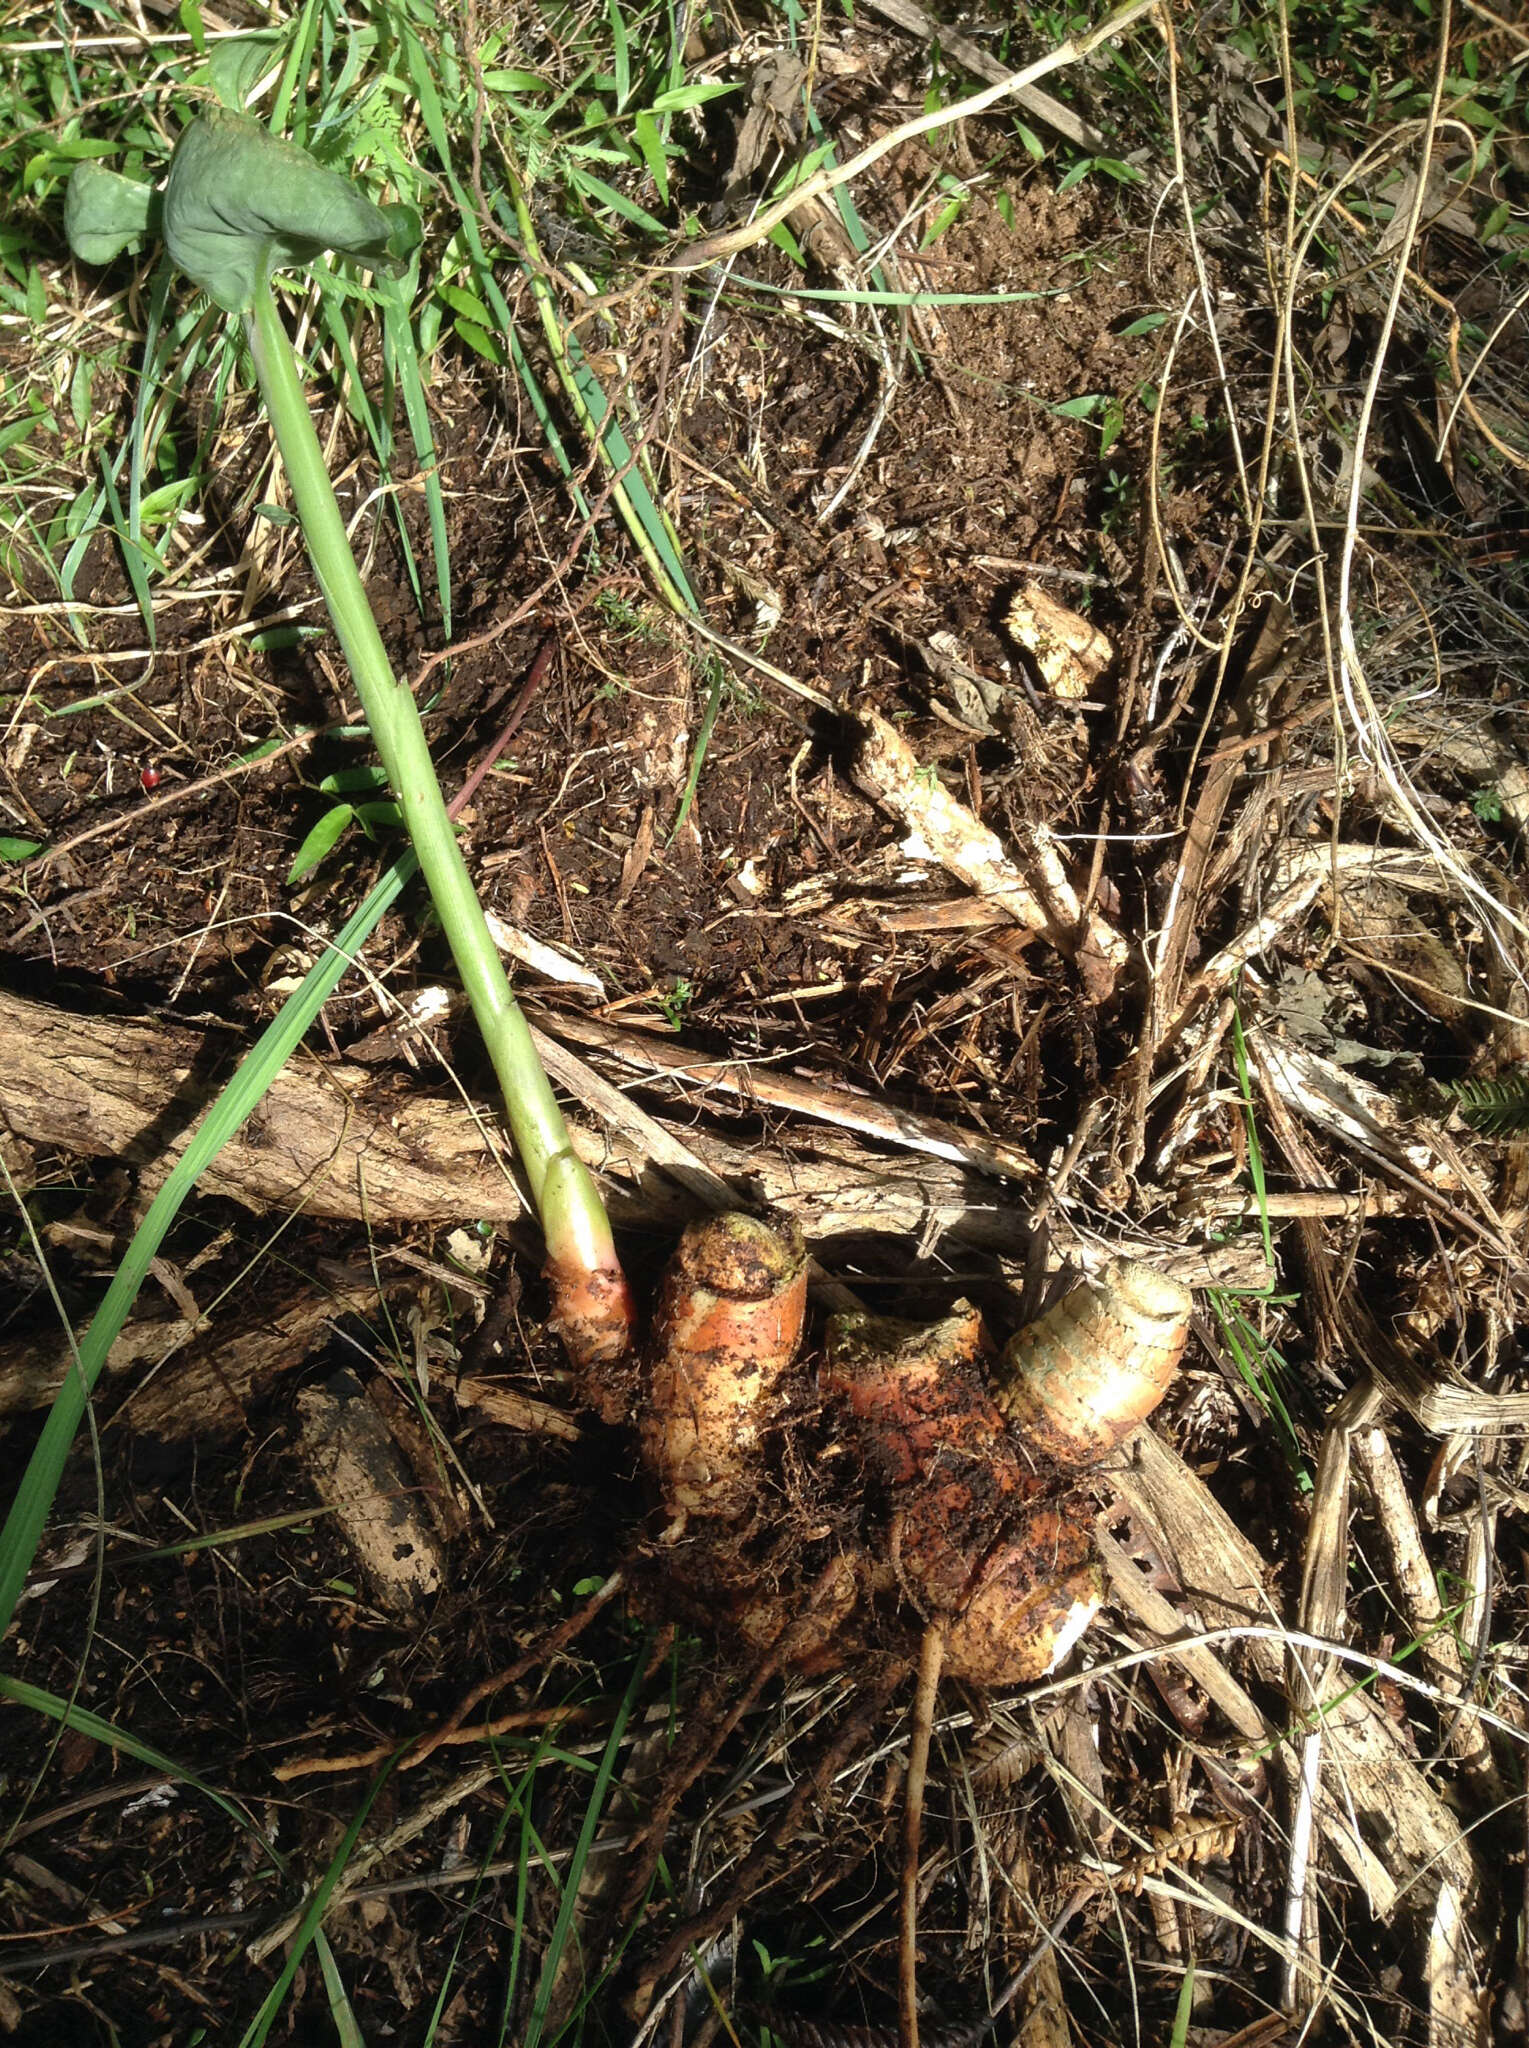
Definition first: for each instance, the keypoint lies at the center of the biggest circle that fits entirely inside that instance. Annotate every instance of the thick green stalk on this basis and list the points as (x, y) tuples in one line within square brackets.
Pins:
[(573, 1217)]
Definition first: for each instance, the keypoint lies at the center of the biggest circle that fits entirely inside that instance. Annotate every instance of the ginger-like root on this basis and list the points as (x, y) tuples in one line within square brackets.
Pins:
[(972, 1525), (1012, 1580), (728, 1324), (1075, 1383)]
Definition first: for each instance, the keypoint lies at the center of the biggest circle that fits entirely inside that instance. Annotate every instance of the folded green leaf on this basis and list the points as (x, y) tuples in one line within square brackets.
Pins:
[(105, 213), (241, 203), (237, 66)]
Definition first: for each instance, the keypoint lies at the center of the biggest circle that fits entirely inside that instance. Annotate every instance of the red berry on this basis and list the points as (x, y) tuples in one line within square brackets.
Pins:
[(149, 777)]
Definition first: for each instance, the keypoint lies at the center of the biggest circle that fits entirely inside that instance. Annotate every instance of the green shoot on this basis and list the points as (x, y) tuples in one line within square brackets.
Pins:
[(238, 204), (1255, 1150)]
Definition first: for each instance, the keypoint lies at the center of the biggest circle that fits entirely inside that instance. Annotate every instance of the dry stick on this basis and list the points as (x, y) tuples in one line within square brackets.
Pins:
[(1072, 50), (523, 696), (545, 1718), (930, 1658), (366, 1858), (203, 783), (1369, 727), (1082, 134), (171, 796), (829, 1104)]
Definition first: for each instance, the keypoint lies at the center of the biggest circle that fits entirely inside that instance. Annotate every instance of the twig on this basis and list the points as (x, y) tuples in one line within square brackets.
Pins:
[(1072, 50), (546, 1718), (687, 1768), (841, 1106), (528, 689), (168, 797), (1082, 134), (756, 1864), (930, 1658)]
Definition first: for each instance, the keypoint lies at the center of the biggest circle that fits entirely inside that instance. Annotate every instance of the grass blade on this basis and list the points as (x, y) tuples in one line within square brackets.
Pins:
[(568, 1905), (82, 1722), (258, 2030), (29, 1511)]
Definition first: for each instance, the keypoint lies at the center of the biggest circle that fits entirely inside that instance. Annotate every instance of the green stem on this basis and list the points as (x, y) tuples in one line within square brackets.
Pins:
[(578, 1217)]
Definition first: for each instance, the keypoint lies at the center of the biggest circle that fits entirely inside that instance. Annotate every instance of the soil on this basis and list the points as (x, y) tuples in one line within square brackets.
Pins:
[(776, 917)]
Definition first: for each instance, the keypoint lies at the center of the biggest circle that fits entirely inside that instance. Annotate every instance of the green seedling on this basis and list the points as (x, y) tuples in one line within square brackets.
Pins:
[(239, 204)]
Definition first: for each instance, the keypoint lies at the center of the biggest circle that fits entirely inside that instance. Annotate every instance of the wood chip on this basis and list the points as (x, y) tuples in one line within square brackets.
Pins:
[(1070, 653), (356, 1469)]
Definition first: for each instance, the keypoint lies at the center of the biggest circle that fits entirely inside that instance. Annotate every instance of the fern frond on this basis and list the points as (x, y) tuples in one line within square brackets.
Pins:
[(1497, 1104)]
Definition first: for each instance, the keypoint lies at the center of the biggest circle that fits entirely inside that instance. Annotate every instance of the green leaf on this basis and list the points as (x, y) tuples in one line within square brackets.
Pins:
[(236, 68), (1496, 220), (1495, 1104), (240, 203), (478, 341), (466, 303), (607, 195), (1184, 2011), (322, 840), (276, 638), (680, 97), (783, 239), (112, 1736), (18, 849), (105, 213), (621, 55), (949, 213), (645, 134), (1147, 324), (167, 500), (386, 816), (341, 2011), (366, 775), (1079, 408)]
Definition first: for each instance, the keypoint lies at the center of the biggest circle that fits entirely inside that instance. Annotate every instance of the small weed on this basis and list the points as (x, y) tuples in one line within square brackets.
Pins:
[(1262, 1368), (674, 1003), (1121, 496), (627, 618)]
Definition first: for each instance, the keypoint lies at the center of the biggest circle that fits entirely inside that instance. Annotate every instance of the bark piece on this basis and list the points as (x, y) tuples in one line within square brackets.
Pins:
[(330, 1137), (1406, 1843), (212, 1370), (355, 1467)]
